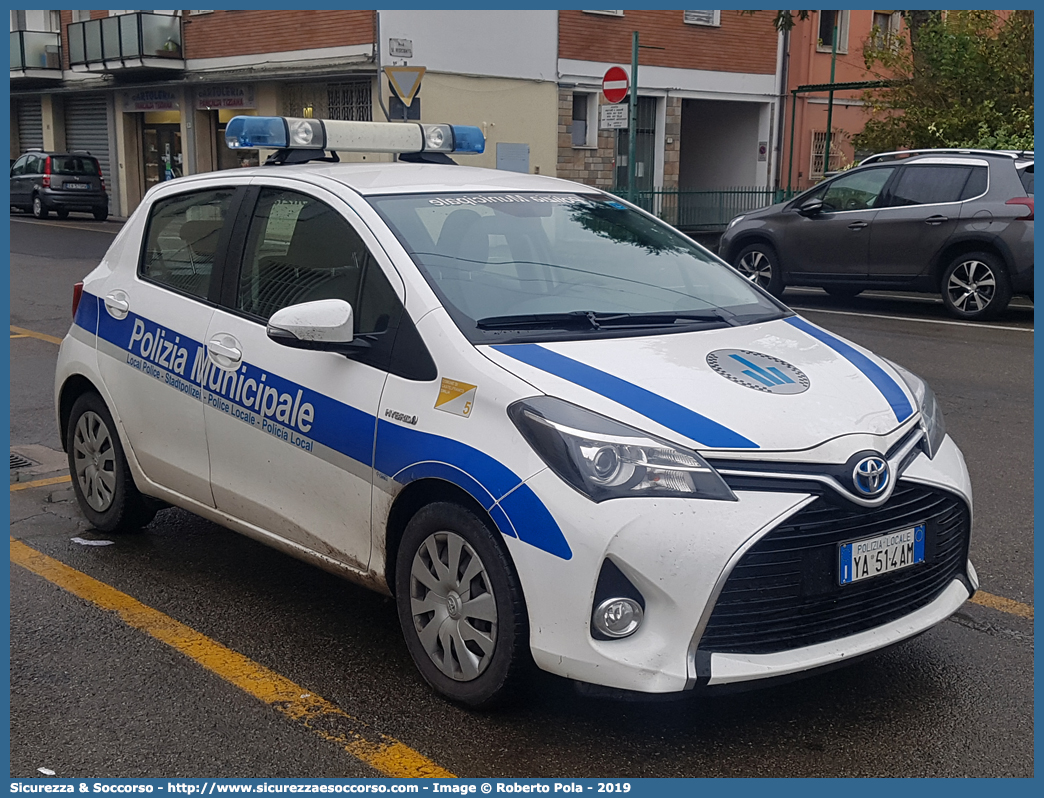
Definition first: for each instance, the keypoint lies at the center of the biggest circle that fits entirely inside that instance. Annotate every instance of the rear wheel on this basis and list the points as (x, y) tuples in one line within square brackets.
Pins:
[(62, 214), (461, 606), (759, 263), (39, 209), (101, 214), (101, 477), (975, 286)]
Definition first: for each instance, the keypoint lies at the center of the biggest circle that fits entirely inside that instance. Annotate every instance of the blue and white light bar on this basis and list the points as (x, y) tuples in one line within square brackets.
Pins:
[(283, 132)]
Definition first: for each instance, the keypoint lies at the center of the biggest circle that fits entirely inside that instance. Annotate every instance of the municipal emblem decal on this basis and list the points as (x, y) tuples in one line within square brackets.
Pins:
[(870, 476), (760, 372)]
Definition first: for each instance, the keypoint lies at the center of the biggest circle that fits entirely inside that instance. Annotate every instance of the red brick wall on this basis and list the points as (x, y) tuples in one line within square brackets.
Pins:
[(742, 43), (231, 33)]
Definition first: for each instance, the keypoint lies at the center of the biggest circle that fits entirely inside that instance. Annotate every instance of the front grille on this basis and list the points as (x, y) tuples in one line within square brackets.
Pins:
[(784, 592)]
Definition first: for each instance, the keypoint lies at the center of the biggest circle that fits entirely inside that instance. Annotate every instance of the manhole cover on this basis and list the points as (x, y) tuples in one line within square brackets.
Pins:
[(17, 461)]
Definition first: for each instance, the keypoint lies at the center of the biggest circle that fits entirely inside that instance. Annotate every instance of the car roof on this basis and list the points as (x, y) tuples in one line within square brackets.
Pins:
[(409, 178)]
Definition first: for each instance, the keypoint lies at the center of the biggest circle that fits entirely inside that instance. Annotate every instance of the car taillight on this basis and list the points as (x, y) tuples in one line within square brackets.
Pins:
[(1028, 202), (101, 179), (77, 293), (47, 172)]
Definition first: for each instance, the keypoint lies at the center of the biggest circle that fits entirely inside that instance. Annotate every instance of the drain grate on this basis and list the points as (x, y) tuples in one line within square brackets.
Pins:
[(17, 461)]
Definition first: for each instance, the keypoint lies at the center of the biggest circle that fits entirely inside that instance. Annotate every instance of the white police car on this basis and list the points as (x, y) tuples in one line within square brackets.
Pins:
[(550, 425)]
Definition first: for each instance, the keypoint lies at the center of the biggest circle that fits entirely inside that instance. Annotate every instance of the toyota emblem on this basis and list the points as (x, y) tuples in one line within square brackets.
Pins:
[(871, 476)]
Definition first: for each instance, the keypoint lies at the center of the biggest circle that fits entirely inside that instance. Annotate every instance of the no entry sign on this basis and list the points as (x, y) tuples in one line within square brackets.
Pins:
[(615, 84)]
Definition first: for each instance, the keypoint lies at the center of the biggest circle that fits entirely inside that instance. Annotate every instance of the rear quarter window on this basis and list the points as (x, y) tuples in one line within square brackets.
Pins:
[(1026, 176)]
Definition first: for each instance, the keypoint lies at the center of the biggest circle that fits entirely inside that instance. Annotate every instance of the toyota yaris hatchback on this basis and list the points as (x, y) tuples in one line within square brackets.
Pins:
[(555, 429)]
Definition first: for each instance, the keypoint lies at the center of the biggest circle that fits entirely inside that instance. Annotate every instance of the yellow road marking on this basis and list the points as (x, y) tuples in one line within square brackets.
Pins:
[(1003, 604), (21, 336), (39, 483), (383, 753), (31, 334)]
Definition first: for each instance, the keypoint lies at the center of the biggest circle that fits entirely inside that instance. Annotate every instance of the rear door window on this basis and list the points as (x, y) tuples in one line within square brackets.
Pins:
[(182, 240), (929, 184)]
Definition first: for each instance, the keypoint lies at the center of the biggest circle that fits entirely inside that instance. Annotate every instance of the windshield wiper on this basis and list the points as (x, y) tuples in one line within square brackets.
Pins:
[(590, 320)]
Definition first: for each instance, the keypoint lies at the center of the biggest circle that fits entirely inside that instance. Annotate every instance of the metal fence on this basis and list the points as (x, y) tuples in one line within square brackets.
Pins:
[(703, 211)]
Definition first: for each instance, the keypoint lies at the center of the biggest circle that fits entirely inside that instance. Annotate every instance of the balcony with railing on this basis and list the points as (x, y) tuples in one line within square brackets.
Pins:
[(137, 41), (35, 56)]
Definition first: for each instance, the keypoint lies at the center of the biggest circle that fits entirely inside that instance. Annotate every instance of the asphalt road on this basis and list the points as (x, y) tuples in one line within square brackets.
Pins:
[(94, 695)]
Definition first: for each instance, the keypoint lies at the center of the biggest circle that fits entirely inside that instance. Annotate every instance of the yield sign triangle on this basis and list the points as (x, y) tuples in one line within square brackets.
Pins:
[(405, 81)]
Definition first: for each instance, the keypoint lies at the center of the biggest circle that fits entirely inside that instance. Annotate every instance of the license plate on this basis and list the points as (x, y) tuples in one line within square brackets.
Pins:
[(864, 559), (76, 186)]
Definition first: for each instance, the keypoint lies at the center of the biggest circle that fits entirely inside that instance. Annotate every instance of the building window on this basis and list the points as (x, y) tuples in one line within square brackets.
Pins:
[(17, 20), (818, 145), (606, 13), (584, 127), (712, 18), (349, 101), (80, 15), (886, 28), (826, 31)]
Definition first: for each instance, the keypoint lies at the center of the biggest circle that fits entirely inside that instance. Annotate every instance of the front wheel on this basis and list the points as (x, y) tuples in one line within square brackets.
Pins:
[(101, 477), (460, 606), (759, 263), (975, 286), (39, 209)]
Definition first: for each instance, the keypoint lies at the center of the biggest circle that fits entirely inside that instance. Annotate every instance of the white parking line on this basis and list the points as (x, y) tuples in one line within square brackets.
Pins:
[(910, 318)]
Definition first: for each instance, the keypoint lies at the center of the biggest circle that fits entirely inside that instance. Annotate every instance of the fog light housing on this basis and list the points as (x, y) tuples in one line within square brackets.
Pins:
[(618, 617)]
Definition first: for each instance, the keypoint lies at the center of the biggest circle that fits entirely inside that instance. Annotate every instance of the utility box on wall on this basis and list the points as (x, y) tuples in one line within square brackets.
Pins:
[(513, 157)]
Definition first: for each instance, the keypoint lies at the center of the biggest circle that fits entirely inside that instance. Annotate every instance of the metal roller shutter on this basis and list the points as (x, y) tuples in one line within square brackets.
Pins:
[(87, 128), (30, 124)]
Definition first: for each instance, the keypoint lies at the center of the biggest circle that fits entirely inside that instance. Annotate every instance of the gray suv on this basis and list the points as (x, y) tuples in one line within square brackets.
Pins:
[(957, 222)]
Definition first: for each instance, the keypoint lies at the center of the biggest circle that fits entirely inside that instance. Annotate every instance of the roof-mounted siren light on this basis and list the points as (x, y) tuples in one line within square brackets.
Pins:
[(283, 132)]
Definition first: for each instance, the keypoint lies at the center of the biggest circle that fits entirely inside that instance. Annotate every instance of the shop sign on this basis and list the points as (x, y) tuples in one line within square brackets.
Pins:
[(150, 100), (211, 97)]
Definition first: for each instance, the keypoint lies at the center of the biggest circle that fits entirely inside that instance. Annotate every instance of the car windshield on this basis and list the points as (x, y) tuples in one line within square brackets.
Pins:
[(73, 165), (529, 266)]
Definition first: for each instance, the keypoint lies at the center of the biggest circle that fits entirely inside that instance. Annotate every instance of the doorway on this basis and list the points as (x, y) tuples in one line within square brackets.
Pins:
[(161, 150)]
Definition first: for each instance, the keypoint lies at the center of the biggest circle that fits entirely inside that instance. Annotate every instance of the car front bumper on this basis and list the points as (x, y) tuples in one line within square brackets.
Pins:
[(679, 554)]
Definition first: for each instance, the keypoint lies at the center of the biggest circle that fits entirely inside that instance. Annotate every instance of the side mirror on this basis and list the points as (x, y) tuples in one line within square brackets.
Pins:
[(811, 208), (324, 325)]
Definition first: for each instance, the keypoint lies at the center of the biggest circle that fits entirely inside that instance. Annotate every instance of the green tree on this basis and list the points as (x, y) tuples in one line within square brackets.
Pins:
[(963, 79)]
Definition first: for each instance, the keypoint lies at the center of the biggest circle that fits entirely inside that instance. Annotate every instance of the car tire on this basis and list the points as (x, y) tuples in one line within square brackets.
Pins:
[(975, 286), (843, 291), (39, 210), (759, 263), (101, 214), (101, 477), (469, 641), (62, 214)]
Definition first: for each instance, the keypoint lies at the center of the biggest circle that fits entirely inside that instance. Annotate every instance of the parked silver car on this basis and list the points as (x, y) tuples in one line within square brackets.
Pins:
[(956, 222)]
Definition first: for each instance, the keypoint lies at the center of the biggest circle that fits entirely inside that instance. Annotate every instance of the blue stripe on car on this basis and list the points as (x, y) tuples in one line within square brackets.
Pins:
[(889, 388), (402, 453), (663, 411)]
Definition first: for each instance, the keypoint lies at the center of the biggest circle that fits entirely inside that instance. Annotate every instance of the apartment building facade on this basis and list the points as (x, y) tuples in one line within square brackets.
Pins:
[(149, 93), (810, 55)]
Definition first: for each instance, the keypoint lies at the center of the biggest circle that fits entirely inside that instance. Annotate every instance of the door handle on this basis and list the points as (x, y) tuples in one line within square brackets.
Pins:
[(857, 225), (117, 305), (225, 347), (934, 220)]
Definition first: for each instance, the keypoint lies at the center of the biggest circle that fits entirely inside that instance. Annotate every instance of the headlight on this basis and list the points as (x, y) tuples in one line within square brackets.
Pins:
[(604, 459), (931, 414), (734, 221)]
